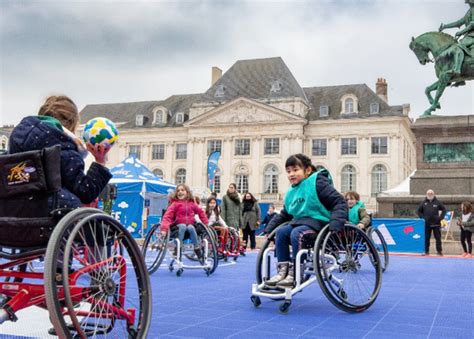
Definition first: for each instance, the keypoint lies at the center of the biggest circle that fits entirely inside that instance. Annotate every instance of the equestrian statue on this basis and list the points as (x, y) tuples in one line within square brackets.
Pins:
[(453, 57)]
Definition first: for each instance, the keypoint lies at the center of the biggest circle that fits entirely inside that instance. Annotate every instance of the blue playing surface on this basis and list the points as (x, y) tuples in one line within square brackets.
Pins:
[(421, 297)]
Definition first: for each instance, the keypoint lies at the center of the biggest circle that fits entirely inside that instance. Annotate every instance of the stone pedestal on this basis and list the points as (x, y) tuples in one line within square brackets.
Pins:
[(444, 162)]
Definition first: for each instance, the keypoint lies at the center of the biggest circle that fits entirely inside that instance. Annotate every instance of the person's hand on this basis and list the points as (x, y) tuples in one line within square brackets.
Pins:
[(99, 151), (441, 27), (163, 233), (361, 226)]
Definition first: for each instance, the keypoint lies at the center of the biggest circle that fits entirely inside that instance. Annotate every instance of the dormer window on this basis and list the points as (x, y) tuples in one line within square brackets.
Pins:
[(139, 120), (158, 117), (220, 92), (349, 104), (374, 108), (323, 110), (179, 118), (276, 87)]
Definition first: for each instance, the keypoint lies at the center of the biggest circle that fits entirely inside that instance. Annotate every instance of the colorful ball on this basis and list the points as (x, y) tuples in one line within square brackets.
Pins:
[(100, 130)]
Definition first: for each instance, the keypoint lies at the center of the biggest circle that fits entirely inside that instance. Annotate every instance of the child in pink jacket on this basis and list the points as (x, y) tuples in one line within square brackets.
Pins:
[(181, 213)]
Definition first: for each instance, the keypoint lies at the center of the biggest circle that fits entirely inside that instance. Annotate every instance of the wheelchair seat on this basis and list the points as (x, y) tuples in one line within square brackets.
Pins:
[(29, 183)]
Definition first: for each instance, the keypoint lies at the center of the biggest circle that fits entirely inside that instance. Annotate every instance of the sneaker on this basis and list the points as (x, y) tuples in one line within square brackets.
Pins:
[(469, 255), (289, 280), (282, 271), (465, 255)]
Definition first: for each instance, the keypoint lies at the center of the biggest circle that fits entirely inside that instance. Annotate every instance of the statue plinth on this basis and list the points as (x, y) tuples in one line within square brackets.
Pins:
[(444, 155), (444, 162)]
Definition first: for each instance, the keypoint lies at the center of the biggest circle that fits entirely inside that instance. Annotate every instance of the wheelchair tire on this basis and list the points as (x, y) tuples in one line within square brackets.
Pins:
[(100, 288), (348, 256), (268, 242), (381, 245), (154, 248), (212, 248)]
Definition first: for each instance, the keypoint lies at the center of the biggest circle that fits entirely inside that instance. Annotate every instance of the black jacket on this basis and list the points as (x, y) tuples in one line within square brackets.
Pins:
[(77, 187), (268, 218), (429, 210), (329, 197)]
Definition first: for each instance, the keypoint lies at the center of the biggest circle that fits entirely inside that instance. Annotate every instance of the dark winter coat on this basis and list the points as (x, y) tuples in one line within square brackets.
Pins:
[(429, 210), (268, 218), (32, 133), (231, 212), (331, 199), (251, 217)]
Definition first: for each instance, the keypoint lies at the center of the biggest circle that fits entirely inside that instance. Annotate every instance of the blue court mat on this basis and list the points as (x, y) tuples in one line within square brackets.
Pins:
[(421, 297)]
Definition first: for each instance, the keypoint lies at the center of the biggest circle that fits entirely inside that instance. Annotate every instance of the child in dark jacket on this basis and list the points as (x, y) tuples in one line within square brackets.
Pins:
[(181, 212), (310, 203), (55, 124)]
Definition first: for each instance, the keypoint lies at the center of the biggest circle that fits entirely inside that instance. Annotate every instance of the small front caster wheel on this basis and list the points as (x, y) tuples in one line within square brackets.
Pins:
[(285, 306), (256, 300), (179, 272)]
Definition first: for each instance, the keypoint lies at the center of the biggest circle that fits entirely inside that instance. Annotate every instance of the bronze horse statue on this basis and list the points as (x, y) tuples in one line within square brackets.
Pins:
[(442, 47)]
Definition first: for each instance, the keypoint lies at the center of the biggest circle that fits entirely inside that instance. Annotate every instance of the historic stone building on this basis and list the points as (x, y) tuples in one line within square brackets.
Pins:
[(257, 115)]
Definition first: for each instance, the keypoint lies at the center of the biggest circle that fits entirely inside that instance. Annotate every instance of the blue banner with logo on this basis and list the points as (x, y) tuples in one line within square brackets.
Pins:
[(212, 168), (402, 235)]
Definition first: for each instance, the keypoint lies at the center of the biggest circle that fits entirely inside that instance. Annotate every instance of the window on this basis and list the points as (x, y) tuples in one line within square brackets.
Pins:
[(272, 146), (180, 176), (136, 150), (319, 147), (158, 152), (379, 179), (270, 180), (276, 86), (158, 117), (374, 108), (220, 91), (379, 145), (139, 120), (349, 105), (217, 181), (214, 145), (158, 172), (348, 146), (179, 118), (181, 151), (348, 179), (242, 147), (3, 143), (242, 181), (323, 110)]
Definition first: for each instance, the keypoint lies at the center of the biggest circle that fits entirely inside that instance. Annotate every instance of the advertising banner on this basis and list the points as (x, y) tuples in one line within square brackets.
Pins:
[(402, 235)]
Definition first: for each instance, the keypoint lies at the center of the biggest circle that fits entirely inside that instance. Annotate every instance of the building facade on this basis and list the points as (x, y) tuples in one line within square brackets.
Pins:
[(257, 115)]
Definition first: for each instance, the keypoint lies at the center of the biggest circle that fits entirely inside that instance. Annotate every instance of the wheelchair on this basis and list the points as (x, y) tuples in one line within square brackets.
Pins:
[(345, 264), (94, 282), (381, 245), (182, 255), (230, 247)]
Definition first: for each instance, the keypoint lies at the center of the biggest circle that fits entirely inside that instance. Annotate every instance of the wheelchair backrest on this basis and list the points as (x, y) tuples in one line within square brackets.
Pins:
[(27, 179)]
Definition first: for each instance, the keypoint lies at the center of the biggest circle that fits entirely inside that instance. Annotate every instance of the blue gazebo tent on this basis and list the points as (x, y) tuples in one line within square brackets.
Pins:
[(140, 194)]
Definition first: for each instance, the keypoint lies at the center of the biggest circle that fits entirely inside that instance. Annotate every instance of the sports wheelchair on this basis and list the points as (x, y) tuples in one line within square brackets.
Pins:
[(346, 265), (94, 282), (381, 245), (228, 247), (156, 245)]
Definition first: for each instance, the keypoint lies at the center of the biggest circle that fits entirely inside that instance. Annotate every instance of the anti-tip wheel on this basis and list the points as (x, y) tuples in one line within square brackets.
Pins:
[(255, 300)]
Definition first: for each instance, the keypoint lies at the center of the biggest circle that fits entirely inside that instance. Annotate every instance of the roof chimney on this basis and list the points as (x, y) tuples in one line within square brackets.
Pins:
[(381, 89), (216, 74)]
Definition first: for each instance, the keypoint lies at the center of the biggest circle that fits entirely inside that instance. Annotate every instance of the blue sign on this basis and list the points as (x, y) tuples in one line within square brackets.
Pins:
[(402, 235), (212, 168)]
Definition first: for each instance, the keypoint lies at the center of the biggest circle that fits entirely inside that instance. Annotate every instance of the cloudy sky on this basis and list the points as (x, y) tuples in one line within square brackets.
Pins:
[(122, 51)]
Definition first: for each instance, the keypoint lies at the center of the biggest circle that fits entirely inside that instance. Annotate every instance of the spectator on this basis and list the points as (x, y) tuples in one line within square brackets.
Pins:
[(357, 213), (466, 223), (430, 210), (230, 207), (270, 214), (250, 219)]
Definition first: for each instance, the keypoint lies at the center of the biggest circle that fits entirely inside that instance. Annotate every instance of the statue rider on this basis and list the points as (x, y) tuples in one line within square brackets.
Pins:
[(467, 40)]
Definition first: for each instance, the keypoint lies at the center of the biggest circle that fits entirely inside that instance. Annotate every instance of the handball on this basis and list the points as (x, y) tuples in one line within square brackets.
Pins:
[(100, 131)]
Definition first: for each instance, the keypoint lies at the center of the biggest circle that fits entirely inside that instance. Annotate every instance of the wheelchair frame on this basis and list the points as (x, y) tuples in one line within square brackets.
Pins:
[(322, 265), (68, 294), (154, 241)]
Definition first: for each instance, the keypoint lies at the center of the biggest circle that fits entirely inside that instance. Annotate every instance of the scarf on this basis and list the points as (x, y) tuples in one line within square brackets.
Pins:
[(234, 197), (248, 204)]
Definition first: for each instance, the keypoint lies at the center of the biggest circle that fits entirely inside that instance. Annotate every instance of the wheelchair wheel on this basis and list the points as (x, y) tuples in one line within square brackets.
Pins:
[(154, 248), (212, 257), (270, 269), (100, 292), (348, 268), (381, 245)]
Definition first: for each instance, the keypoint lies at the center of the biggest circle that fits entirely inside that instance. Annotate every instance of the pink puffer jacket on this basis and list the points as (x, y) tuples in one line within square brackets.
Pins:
[(182, 212)]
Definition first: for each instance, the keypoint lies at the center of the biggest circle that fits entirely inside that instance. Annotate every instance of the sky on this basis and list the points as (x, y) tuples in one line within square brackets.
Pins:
[(124, 51)]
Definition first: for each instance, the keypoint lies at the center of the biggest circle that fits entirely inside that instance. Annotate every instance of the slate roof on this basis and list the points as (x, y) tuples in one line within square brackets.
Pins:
[(251, 79), (331, 96), (254, 79)]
